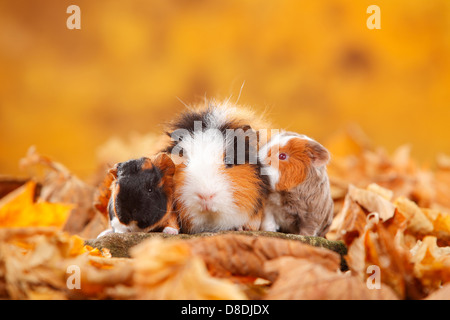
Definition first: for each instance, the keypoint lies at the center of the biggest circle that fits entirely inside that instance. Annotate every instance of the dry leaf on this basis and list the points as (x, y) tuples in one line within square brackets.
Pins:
[(385, 242), (34, 264), (431, 263), (417, 221), (385, 193), (441, 224), (393, 260), (60, 185), (349, 223), (9, 184), (375, 241), (399, 173), (96, 225), (101, 278), (244, 255), (373, 201), (19, 210), (103, 193), (169, 270), (307, 280)]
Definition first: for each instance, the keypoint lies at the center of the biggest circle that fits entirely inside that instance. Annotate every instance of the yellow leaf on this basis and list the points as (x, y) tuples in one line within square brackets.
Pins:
[(19, 210), (441, 223), (431, 263), (417, 220)]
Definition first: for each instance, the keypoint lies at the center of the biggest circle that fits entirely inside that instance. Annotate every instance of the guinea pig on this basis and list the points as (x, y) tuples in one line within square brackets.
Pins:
[(142, 196), (300, 199), (218, 184)]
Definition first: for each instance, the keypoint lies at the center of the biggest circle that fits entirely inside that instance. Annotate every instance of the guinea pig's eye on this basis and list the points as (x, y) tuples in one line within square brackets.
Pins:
[(150, 190), (282, 156)]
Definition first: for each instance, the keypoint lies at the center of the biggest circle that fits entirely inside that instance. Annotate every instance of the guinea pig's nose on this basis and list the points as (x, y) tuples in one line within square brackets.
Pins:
[(205, 201), (206, 196)]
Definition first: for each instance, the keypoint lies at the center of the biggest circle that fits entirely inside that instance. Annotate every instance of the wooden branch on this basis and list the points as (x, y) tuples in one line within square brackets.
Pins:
[(119, 244)]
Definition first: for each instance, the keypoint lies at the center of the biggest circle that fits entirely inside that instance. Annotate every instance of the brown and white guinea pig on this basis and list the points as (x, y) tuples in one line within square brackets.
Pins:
[(142, 196), (219, 185), (300, 200)]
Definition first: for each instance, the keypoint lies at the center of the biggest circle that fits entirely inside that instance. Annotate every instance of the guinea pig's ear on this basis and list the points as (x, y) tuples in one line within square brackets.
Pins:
[(113, 170), (146, 163), (318, 154), (164, 163)]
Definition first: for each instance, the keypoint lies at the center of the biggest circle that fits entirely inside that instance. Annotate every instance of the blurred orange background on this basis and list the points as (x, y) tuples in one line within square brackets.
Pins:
[(313, 64)]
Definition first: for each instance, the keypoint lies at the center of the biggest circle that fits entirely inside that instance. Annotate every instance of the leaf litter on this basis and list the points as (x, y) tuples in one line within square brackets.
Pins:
[(390, 212)]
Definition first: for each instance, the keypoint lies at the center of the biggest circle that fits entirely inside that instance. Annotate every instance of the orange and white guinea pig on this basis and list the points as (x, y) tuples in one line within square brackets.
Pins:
[(300, 200), (218, 184)]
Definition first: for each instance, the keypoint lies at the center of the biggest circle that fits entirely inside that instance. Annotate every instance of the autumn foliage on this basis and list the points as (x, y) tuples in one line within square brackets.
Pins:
[(93, 97), (390, 213)]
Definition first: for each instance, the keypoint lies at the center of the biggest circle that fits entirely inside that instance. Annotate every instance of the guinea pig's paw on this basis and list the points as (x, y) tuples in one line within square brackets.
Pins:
[(170, 230)]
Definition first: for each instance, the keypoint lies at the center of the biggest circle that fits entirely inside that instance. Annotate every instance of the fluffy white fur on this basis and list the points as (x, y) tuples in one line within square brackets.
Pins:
[(204, 175), (118, 227)]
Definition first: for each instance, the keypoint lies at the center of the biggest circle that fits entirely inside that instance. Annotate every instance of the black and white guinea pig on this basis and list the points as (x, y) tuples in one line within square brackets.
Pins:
[(142, 196)]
